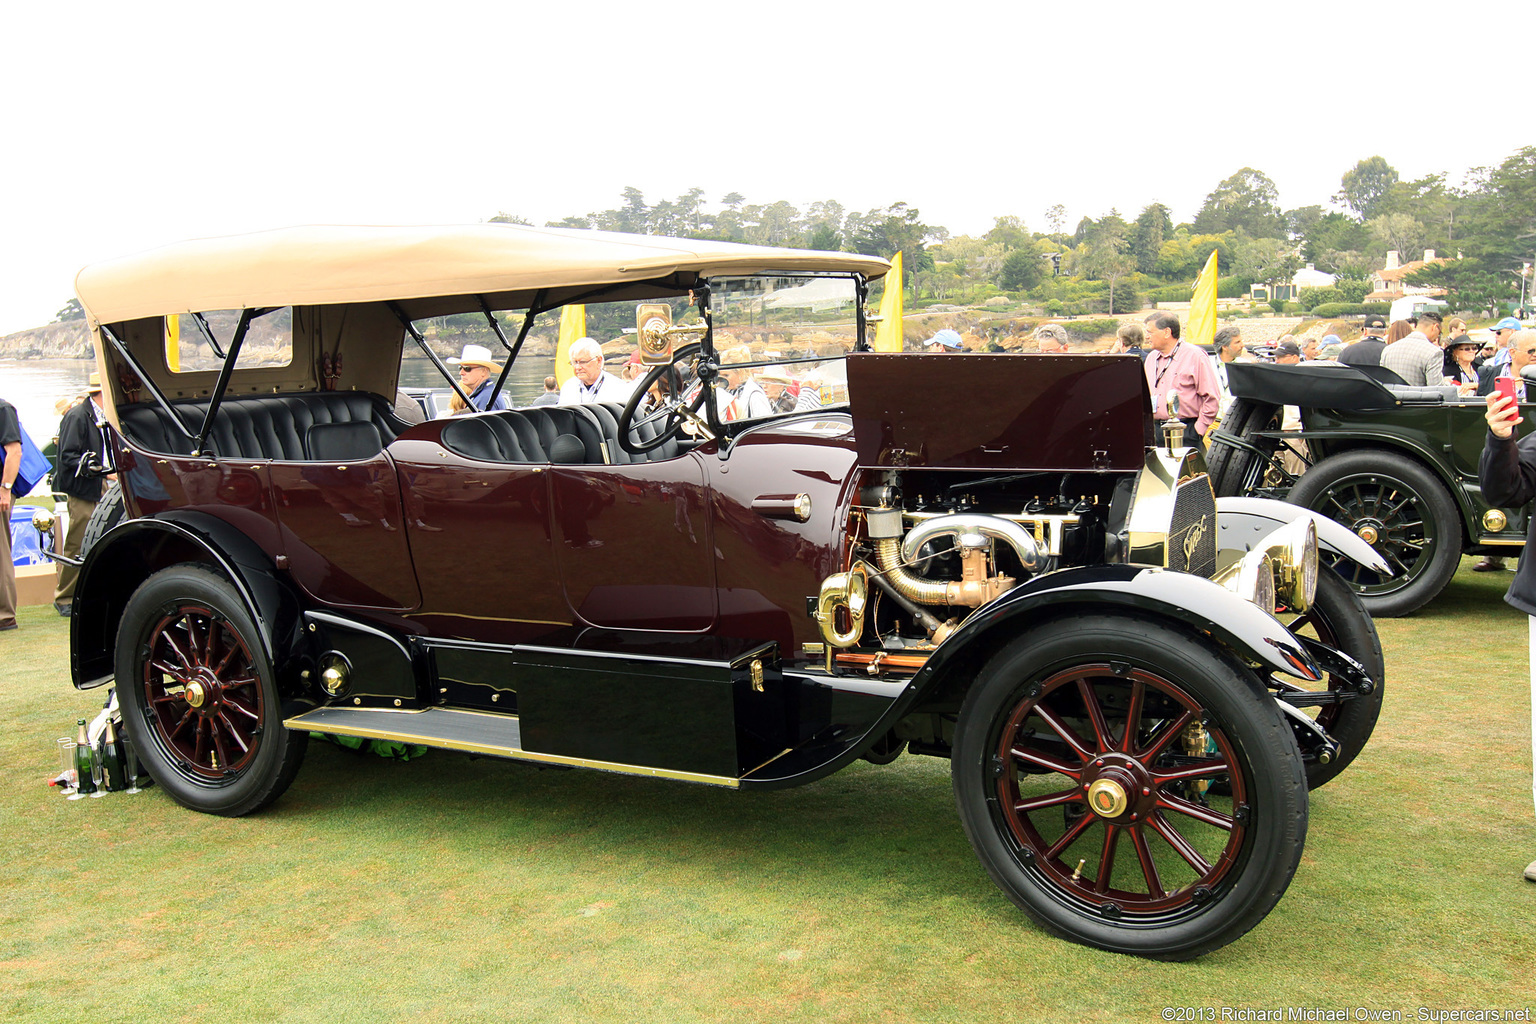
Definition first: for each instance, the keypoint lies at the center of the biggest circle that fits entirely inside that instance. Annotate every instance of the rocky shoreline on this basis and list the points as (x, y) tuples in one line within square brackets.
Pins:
[(68, 340)]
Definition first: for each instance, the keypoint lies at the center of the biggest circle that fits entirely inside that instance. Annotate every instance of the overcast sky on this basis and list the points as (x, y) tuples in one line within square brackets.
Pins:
[(128, 125)]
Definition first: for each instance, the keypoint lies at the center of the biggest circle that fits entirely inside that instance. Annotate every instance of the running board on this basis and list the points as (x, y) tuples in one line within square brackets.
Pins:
[(474, 732)]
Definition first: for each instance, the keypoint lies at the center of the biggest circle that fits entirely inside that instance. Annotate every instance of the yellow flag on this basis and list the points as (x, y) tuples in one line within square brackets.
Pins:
[(573, 327), (173, 342), (1201, 326), (888, 330)]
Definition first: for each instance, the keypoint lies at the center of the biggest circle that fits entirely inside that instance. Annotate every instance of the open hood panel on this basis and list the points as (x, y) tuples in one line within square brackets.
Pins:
[(999, 412)]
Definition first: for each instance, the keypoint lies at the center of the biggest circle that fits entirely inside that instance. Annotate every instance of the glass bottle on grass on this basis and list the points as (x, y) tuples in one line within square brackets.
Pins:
[(85, 764), (112, 760)]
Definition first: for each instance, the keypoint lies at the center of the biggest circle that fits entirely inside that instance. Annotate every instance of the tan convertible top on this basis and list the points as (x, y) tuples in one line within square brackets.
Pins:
[(322, 265)]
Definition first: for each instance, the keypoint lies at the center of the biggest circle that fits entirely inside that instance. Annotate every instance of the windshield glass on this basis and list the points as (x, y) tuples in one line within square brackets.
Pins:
[(780, 341)]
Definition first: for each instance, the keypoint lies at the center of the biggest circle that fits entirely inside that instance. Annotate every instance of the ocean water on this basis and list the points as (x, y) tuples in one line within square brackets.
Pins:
[(34, 385)]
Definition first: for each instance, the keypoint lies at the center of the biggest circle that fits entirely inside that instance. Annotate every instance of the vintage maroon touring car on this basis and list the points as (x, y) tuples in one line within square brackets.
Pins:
[(981, 557)]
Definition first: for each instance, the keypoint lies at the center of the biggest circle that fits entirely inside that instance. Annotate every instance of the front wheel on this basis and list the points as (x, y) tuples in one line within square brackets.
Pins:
[(1130, 787), (198, 696), (1398, 507)]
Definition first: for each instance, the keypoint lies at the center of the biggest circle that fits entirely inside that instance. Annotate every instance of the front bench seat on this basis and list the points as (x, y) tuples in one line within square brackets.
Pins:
[(531, 435)]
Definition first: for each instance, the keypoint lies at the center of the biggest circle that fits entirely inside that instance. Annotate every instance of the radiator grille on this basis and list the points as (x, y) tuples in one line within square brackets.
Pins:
[(1192, 530)]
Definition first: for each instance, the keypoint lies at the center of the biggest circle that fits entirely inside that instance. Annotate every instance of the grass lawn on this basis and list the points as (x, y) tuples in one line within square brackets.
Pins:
[(452, 889)]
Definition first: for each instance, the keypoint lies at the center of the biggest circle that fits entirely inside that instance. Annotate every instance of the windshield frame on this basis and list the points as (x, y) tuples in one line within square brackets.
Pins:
[(711, 370)]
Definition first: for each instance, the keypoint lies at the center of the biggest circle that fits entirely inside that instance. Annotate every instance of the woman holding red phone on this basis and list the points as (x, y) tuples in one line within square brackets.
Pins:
[(1507, 472)]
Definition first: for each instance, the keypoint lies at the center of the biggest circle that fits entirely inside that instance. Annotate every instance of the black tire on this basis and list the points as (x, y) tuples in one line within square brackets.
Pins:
[(108, 513), (1339, 619), (198, 696), (1228, 466), (1020, 737), (1402, 510)]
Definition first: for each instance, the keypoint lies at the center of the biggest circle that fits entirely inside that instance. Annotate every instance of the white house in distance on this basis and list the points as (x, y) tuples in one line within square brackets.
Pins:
[(1387, 284), (1307, 277)]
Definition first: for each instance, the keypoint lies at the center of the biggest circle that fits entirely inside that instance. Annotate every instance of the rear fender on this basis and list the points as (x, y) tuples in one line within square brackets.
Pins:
[(1242, 522), (132, 552)]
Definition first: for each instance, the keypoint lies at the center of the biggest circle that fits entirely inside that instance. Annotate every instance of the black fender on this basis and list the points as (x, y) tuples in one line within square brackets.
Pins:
[(1253, 635), (136, 549), (1243, 522)]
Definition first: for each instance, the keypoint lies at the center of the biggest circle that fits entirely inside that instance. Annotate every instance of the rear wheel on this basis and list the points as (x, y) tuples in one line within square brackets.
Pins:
[(1084, 765), (198, 696), (1398, 507)]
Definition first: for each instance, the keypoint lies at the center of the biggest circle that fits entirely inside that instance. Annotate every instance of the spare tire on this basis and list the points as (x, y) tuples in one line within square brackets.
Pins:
[(108, 513), (1229, 467)]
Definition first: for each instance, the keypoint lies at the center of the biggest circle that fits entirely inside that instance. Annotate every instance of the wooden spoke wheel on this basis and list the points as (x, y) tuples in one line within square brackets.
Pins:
[(198, 695), (1087, 763)]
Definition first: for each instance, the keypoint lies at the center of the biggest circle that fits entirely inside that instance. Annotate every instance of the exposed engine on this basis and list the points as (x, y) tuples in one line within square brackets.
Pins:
[(927, 548)]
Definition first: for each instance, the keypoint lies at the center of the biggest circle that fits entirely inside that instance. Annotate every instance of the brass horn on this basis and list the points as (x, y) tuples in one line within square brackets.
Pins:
[(847, 590)]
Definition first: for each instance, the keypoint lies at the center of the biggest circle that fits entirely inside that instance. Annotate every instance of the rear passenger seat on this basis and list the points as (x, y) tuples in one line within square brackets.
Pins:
[(582, 434), (322, 425)]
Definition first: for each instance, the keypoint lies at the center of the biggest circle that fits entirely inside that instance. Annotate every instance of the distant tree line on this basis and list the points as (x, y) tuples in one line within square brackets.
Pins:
[(1111, 264)]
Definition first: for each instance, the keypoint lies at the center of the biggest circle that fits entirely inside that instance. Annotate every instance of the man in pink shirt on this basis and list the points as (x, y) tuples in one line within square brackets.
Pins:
[(1176, 368)]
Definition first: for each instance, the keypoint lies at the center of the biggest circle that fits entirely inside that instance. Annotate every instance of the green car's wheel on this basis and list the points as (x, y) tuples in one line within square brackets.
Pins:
[(1083, 767), (1398, 507)]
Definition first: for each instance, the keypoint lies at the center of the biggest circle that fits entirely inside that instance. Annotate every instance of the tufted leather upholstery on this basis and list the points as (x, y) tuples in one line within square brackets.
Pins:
[(529, 435), (270, 426)]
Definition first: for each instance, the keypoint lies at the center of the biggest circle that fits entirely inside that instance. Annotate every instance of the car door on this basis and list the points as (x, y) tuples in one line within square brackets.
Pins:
[(633, 544)]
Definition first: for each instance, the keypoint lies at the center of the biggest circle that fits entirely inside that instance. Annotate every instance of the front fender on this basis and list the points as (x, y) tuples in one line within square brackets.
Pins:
[(1243, 522), (133, 551), (1250, 633)]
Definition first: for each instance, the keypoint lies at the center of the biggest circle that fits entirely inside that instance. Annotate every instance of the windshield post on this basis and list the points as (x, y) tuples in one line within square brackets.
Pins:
[(246, 316), (708, 369), (442, 368), (861, 293)]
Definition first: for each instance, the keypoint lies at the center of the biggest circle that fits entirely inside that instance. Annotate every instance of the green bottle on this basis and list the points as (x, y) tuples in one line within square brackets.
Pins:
[(112, 772), (84, 784)]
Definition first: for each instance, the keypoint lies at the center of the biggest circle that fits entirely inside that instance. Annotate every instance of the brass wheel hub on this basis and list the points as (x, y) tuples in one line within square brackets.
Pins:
[(196, 694), (1368, 532), (1107, 798), (1117, 788)]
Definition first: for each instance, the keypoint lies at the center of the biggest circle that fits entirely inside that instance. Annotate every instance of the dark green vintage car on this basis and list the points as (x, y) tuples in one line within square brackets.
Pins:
[(1396, 464)]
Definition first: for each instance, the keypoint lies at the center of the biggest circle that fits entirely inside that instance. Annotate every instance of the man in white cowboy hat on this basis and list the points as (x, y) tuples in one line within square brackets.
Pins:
[(82, 453), (477, 373), (591, 382)]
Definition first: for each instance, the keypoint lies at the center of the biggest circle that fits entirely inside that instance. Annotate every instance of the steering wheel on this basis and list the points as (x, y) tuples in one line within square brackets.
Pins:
[(674, 413)]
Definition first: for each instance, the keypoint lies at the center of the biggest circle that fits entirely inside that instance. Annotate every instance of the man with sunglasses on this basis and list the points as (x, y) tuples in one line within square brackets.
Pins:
[(1503, 331), (591, 383), (477, 377)]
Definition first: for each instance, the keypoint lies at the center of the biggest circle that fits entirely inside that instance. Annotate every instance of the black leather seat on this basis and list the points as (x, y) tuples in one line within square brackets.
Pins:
[(279, 427), (531, 435)]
